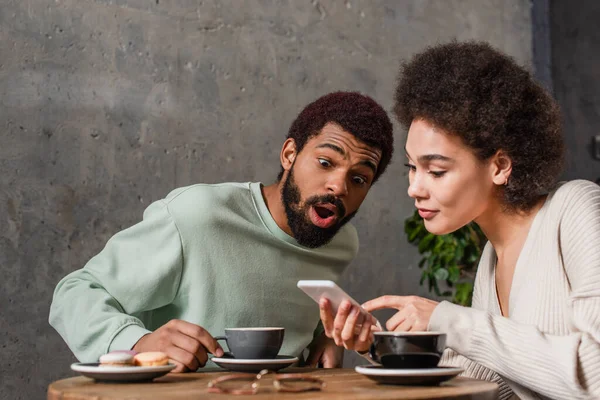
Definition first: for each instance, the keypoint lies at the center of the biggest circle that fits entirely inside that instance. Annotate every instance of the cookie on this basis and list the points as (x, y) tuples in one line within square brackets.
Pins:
[(117, 359), (151, 359), (131, 352)]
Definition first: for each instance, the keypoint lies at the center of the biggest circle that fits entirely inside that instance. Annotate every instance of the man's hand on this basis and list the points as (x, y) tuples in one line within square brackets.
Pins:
[(187, 345), (350, 327), (325, 352), (413, 313)]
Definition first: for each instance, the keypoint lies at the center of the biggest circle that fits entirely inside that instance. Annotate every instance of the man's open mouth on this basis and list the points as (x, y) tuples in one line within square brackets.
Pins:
[(324, 215)]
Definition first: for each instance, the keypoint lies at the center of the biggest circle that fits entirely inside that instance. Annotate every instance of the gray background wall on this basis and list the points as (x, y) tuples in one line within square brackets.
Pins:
[(575, 54), (107, 105)]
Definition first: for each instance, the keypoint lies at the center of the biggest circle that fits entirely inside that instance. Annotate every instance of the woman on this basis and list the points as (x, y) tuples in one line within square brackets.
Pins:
[(484, 144)]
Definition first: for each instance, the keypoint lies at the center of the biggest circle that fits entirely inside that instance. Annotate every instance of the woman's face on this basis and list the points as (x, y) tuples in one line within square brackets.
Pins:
[(450, 185)]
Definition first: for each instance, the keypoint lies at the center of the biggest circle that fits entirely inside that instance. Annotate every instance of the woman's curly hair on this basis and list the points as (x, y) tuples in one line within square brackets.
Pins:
[(474, 91), (356, 113)]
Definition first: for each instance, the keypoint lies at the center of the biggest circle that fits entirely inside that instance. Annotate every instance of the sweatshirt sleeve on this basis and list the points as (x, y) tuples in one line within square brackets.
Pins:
[(557, 367), (140, 269)]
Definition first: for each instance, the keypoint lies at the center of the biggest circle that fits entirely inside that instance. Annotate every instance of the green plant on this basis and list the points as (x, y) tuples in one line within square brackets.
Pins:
[(450, 258)]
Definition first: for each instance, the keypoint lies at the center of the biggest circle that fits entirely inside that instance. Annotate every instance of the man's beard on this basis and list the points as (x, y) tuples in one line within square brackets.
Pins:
[(305, 232)]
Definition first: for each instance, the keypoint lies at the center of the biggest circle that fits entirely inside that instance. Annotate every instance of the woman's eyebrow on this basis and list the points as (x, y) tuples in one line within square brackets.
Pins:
[(434, 157), (430, 157)]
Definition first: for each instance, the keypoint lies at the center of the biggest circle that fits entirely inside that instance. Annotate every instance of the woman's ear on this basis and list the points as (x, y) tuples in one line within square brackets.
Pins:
[(501, 168), (288, 154)]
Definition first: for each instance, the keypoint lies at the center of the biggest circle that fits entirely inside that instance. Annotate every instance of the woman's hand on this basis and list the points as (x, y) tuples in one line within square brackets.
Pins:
[(413, 312)]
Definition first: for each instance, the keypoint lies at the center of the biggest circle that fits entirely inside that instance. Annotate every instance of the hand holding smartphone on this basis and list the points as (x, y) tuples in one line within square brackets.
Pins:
[(317, 289)]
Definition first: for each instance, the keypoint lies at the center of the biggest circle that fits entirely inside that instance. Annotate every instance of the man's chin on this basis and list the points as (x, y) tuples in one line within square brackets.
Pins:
[(317, 237)]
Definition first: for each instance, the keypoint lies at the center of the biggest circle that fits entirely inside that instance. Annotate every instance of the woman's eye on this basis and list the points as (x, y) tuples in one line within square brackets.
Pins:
[(410, 167), (436, 174), (324, 163)]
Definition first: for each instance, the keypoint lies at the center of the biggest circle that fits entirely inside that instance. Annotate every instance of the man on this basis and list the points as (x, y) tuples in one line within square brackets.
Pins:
[(208, 257)]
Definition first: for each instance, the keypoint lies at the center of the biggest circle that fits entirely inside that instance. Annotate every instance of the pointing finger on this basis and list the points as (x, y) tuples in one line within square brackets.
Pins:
[(382, 302)]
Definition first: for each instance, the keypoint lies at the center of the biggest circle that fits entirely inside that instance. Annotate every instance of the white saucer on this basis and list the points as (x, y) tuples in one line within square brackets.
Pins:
[(254, 365), (120, 374), (401, 376)]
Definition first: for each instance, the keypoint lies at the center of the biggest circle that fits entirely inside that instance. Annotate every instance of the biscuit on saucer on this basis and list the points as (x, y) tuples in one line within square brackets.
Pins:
[(117, 359), (151, 359)]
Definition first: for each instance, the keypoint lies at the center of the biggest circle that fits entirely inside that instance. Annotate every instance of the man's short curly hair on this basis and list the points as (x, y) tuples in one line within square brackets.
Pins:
[(356, 113), (474, 91)]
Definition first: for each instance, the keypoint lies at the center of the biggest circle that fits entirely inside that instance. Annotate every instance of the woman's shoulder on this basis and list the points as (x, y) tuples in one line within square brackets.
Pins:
[(575, 194), (579, 233), (573, 208), (576, 185)]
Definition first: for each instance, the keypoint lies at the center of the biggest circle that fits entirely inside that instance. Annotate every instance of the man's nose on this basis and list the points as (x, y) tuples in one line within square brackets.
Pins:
[(336, 184)]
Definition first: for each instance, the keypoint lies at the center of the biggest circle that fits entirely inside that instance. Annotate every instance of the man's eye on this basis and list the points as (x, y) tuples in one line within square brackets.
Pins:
[(359, 180), (324, 163), (410, 167), (437, 174)]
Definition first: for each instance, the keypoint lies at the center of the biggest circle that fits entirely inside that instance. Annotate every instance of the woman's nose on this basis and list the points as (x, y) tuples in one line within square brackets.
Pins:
[(415, 188)]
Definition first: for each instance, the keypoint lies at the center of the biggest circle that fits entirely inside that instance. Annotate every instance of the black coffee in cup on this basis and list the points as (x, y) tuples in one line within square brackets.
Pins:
[(253, 343), (408, 349)]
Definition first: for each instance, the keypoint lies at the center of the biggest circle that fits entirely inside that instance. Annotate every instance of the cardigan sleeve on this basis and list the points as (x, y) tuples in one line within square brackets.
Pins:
[(471, 368), (554, 366), (451, 358)]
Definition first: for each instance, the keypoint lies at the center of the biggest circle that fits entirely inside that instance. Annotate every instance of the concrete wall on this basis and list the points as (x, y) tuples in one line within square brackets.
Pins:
[(107, 105), (575, 43)]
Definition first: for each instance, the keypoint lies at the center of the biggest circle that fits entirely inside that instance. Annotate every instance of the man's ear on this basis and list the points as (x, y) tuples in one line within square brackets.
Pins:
[(288, 154), (501, 168)]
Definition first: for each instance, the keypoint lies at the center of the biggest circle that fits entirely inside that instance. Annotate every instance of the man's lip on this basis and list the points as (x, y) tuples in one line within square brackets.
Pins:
[(328, 206), (322, 222)]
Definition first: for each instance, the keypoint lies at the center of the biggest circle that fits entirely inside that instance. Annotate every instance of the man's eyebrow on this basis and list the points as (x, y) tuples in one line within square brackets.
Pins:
[(368, 163), (333, 147)]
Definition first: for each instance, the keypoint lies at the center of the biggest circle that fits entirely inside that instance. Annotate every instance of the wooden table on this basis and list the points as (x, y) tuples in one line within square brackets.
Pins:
[(341, 384)]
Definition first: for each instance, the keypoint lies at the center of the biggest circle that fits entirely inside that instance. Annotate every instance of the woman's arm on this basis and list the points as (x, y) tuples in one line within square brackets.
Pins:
[(473, 369), (555, 366), (450, 358)]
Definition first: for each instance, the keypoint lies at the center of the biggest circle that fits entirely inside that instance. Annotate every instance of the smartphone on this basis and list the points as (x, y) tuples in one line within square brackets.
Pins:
[(317, 289)]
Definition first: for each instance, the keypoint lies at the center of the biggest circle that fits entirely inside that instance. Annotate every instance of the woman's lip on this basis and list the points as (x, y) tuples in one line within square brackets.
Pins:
[(427, 214)]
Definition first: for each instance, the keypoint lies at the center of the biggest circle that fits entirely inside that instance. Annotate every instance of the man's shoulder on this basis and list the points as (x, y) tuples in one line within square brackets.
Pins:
[(348, 231), (206, 190), (345, 240), (205, 201)]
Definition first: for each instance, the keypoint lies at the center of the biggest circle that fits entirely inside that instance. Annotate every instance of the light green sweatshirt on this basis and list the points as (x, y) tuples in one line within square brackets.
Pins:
[(211, 255)]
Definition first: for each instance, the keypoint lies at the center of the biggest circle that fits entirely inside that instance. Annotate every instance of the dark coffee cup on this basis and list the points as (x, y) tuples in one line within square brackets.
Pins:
[(408, 349), (253, 343)]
